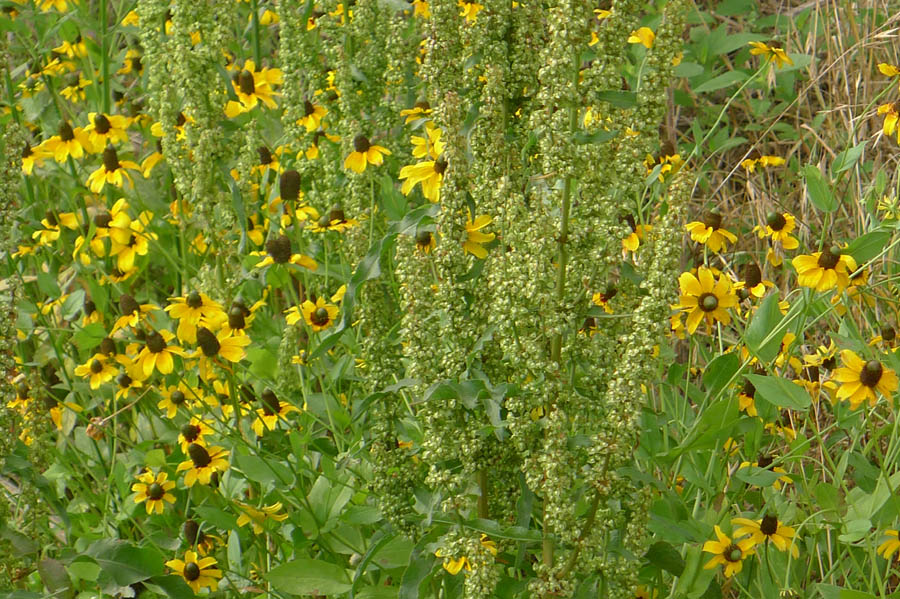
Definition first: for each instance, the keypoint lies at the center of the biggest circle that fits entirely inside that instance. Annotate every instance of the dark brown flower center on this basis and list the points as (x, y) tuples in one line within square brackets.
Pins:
[(236, 318), (732, 553), (192, 532), (102, 220), (708, 302), (208, 342), (96, 366), (181, 120), (194, 299), (124, 380), (871, 373), (156, 342), (177, 397), (712, 219), (811, 373), (752, 275), (265, 156), (110, 159), (748, 389), (769, 525), (440, 165), (319, 317), (830, 257), (101, 124), (279, 248), (246, 84), (65, 131), (155, 491), (289, 186), (308, 108), (423, 238), (324, 221), (199, 455), (888, 333), (775, 221), (270, 403), (190, 432), (191, 571), (764, 461), (107, 346), (361, 143)]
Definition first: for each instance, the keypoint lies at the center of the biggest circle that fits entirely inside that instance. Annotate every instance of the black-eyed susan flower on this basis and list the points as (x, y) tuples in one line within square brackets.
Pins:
[(222, 345), (68, 142), (98, 370), (195, 536), (771, 54), (312, 116), (778, 228), (133, 314), (193, 310), (750, 164), (767, 529), (75, 90), (727, 553), (747, 398), (137, 244), (469, 10), (860, 379), (643, 36), (767, 462), (702, 296), (199, 574), (333, 220), (271, 412), (752, 283), (425, 241), (602, 298), (32, 157), (632, 241), (105, 129), (430, 145), (175, 398), (890, 545), (279, 252), (475, 238), (194, 432), (364, 153), (891, 112), (257, 517), (157, 354), (319, 315), (203, 462), (710, 233), (132, 62), (888, 70), (642, 592), (825, 270), (429, 173), (75, 49), (420, 110), (253, 87), (153, 491), (112, 171)]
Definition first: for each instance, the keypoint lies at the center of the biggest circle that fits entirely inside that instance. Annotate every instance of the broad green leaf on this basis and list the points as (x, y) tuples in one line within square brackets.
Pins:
[(734, 41), (819, 189), (665, 557), (758, 336), (846, 159), (234, 552), (780, 392), (309, 577), (171, 586), (854, 530), (760, 477), (89, 337), (865, 247), (720, 371), (84, 569), (264, 471), (688, 69), (126, 563), (721, 82), (583, 137), (618, 98)]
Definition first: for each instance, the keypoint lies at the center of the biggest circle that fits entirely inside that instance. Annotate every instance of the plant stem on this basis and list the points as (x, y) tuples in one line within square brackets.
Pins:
[(483, 498), (104, 53)]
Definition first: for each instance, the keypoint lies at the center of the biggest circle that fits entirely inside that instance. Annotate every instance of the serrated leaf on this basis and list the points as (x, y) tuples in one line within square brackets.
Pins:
[(309, 577), (780, 392)]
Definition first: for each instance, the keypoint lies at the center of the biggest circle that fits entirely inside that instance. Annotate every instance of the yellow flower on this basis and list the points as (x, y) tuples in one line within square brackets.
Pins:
[(154, 490), (98, 370), (750, 164), (203, 462), (279, 252), (198, 574), (364, 153), (892, 114), (469, 10), (643, 36), (729, 554), (312, 116), (421, 110), (319, 315), (767, 529), (257, 516), (890, 545), (778, 228), (704, 297), (824, 270), (888, 70), (272, 411), (157, 353), (68, 142), (430, 145), (709, 232), (193, 310), (32, 157), (252, 87), (425, 241), (193, 432), (766, 462), (223, 344), (112, 171), (429, 173), (859, 380), (475, 238), (771, 54)]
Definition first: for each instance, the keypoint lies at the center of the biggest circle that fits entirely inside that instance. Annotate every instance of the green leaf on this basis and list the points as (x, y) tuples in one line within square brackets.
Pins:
[(688, 69), (54, 576), (757, 336), (818, 189), (418, 571), (734, 41), (760, 477), (846, 159), (619, 98), (780, 392), (234, 553), (720, 371), (854, 530), (172, 586), (48, 286), (126, 563), (665, 557), (583, 137), (263, 363), (865, 247), (264, 471), (84, 569), (89, 337), (309, 577), (721, 82)]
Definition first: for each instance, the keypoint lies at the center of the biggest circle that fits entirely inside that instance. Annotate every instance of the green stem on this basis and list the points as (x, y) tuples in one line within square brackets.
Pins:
[(104, 53), (483, 498), (257, 52)]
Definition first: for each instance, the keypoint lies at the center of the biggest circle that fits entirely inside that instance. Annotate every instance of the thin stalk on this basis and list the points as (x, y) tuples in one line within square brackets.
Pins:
[(104, 53), (257, 52), (483, 498)]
